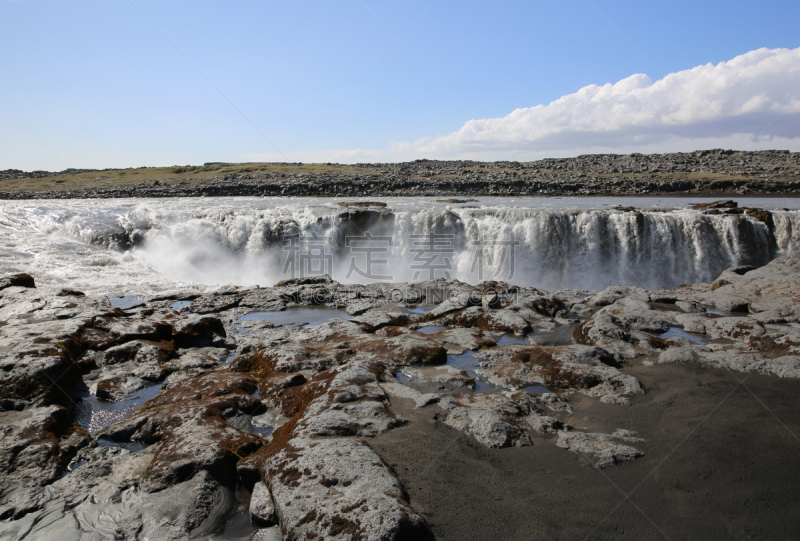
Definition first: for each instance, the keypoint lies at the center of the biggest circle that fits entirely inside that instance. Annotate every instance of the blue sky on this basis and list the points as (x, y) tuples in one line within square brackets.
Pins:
[(98, 84)]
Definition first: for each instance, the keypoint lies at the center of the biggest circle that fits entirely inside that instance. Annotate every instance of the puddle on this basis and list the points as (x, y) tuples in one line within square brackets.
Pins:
[(94, 415), (432, 329), (254, 426), (180, 305), (305, 316), (420, 309), (560, 337), (126, 301), (133, 447), (510, 339), (677, 332), (72, 466), (715, 312), (263, 431), (239, 525), (262, 425), (535, 389), (469, 363)]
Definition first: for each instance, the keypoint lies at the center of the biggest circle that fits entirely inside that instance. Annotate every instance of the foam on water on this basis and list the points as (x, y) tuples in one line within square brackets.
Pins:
[(155, 246)]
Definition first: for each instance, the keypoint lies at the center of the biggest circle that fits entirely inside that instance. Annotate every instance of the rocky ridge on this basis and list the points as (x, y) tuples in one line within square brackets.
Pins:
[(702, 172), (285, 412)]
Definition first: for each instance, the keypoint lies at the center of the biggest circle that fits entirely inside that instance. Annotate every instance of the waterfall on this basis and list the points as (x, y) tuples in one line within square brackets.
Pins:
[(573, 243)]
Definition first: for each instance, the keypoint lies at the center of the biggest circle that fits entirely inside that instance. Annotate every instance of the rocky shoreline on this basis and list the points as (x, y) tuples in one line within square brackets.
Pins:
[(710, 172), (275, 408)]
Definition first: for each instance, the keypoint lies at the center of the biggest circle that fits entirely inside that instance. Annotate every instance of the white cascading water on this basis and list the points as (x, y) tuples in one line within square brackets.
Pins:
[(154, 246)]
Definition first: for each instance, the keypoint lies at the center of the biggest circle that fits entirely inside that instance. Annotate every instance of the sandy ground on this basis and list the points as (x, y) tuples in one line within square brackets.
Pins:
[(721, 462)]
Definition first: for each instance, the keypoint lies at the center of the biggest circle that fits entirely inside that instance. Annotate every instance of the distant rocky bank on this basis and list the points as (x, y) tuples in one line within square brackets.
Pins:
[(707, 172)]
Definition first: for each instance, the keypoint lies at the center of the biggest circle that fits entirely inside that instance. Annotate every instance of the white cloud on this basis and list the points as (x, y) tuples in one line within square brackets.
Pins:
[(751, 102)]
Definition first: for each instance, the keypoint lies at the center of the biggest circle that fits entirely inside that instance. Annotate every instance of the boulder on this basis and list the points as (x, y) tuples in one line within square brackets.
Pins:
[(494, 320), (602, 449), (262, 509), (403, 349), (742, 329), (119, 388), (491, 301), (494, 420), (377, 319), (339, 488), (612, 294), (440, 378), (590, 370), (187, 429), (17, 280)]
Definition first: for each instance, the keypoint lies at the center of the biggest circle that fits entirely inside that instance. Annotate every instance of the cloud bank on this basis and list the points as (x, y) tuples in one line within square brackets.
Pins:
[(751, 102)]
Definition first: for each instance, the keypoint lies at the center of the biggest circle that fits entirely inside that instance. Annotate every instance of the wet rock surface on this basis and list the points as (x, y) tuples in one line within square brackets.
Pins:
[(288, 408)]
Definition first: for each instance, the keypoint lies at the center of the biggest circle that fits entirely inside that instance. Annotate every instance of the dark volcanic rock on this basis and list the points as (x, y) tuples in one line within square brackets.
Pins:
[(19, 280), (295, 413)]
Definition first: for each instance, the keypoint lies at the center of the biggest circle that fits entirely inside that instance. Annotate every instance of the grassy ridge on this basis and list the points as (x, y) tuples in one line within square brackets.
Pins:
[(188, 175)]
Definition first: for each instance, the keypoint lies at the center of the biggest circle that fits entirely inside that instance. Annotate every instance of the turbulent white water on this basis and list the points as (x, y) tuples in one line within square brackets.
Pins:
[(147, 246)]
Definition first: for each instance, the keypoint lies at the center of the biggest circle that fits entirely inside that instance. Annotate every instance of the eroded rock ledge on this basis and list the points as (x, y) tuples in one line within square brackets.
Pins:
[(158, 420)]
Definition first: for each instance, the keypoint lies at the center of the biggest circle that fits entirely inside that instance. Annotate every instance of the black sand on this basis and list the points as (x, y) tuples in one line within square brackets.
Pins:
[(717, 466)]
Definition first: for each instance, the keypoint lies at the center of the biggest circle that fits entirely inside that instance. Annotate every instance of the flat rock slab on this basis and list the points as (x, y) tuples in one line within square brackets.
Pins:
[(339, 488), (602, 448)]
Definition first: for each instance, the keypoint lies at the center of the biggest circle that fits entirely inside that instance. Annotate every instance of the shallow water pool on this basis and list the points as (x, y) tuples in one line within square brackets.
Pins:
[(677, 332), (124, 302), (469, 363), (305, 316), (94, 415)]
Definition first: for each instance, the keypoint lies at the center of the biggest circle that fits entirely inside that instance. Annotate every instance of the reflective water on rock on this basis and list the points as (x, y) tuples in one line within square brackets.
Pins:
[(420, 309), (305, 316), (72, 466), (432, 329), (133, 447), (469, 363), (509, 339), (535, 389), (560, 337), (240, 527), (262, 425), (180, 304), (94, 415), (677, 332), (125, 301)]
